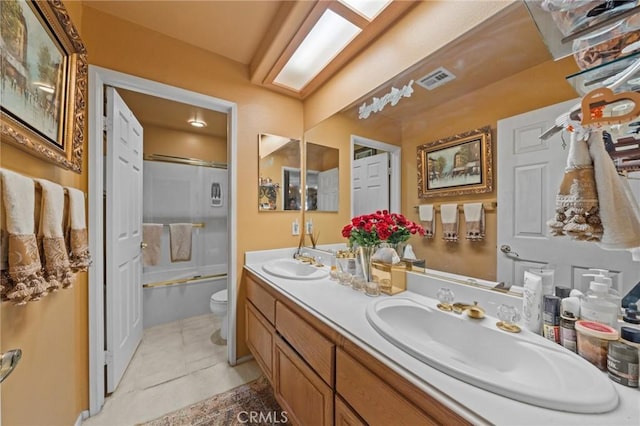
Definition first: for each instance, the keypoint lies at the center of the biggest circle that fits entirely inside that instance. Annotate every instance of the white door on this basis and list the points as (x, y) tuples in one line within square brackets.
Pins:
[(328, 190), (529, 174), (370, 180), (123, 221)]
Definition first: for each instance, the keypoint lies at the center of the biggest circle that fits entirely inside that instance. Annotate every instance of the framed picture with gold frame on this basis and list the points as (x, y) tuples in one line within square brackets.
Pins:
[(43, 83), (458, 165)]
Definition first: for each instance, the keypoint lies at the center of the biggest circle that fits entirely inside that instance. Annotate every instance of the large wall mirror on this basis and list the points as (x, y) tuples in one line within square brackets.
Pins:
[(480, 95), (279, 185), (322, 178)]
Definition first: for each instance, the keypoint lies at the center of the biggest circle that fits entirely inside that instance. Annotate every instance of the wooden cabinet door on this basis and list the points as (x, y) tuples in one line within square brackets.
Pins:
[(314, 348), (345, 416), (305, 397), (260, 334)]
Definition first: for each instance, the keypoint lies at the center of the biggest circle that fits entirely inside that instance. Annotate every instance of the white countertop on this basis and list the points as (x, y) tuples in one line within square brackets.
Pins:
[(343, 309)]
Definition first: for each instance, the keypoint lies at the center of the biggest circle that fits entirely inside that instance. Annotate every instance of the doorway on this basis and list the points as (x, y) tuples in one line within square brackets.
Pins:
[(99, 78), (393, 171)]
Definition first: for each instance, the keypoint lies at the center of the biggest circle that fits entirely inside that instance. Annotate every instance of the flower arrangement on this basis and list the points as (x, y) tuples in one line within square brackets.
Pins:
[(381, 226)]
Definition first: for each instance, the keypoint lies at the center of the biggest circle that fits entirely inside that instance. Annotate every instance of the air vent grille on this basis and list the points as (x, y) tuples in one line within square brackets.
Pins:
[(436, 78)]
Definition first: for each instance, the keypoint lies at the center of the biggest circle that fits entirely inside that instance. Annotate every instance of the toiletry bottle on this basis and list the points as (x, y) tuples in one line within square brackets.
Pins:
[(570, 308), (599, 304), (551, 318), (631, 316), (532, 302), (622, 364), (333, 272), (548, 279)]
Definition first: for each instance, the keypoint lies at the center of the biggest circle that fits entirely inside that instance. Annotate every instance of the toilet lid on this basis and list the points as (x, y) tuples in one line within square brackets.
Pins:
[(219, 296)]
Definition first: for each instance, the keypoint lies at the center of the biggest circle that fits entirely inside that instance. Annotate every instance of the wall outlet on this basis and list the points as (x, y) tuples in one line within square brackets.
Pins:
[(309, 227), (295, 228)]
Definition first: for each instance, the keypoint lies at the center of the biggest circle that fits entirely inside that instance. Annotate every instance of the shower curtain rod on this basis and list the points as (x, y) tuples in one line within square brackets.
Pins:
[(184, 160)]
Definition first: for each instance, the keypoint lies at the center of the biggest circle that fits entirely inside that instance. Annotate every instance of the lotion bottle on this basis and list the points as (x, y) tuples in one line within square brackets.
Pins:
[(600, 304), (532, 302)]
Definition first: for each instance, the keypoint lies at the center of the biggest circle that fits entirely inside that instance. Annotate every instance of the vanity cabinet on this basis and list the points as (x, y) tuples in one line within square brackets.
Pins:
[(322, 378), (260, 340), (306, 398), (345, 416)]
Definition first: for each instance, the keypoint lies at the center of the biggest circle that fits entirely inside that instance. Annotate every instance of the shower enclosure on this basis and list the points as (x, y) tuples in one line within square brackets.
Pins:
[(185, 191)]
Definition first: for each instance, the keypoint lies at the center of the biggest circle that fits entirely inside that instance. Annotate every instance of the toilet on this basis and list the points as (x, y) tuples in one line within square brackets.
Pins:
[(218, 305)]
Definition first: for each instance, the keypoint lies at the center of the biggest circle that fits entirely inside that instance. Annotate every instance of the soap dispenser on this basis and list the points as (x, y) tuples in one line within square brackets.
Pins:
[(600, 304)]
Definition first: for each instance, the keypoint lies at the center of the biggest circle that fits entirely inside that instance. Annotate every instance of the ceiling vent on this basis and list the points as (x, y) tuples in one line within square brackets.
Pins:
[(436, 78)]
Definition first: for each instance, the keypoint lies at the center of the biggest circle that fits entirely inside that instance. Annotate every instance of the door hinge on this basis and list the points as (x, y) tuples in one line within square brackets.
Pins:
[(108, 357)]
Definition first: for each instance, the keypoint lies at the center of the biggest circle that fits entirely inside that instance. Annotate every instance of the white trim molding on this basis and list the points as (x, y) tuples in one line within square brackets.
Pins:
[(98, 78)]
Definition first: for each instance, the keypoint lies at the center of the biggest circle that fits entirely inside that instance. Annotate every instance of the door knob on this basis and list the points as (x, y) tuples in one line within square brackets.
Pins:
[(8, 362), (506, 249), (143, 246)]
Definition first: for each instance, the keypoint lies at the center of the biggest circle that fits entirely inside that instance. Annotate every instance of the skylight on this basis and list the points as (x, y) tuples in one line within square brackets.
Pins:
[(367, 8), (327, 38)]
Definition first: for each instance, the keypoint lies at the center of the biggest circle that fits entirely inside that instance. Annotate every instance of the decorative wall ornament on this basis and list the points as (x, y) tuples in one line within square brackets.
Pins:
[(378, 104), (43, 83)]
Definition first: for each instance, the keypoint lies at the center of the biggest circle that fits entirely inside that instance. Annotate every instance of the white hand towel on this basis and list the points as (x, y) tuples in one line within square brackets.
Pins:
[(55, 257), (24, 281), (426, 216), (79, 256), (180, 240), (152, 237), (619, 210), (474, 218), (449, 218)]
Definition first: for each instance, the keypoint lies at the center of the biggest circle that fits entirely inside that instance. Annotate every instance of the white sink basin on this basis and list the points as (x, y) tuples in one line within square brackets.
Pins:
[(294, 269), (524, 366)]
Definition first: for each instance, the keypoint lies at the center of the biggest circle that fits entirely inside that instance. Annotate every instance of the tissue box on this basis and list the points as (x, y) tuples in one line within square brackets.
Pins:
[(392, 278)]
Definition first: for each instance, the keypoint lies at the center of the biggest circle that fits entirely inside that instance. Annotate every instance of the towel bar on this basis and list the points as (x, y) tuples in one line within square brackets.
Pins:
[(488, 206), (195, 225), (184, 280)]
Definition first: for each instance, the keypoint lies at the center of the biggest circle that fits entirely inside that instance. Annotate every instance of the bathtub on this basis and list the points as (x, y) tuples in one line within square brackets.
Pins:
[(164, 302)]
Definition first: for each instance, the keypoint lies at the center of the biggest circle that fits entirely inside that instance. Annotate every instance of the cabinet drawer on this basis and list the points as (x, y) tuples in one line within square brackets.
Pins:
[(307, 400), (262, 300), (374, 400), (259, 335), (345, 415), (315, 349)]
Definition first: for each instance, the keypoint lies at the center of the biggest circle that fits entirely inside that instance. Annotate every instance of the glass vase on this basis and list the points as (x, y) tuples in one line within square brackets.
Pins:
[(399, 248), (364, 254)]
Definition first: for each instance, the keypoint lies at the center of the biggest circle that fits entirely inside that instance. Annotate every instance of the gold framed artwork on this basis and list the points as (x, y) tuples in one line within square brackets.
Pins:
[(43, 83), (458, 165)]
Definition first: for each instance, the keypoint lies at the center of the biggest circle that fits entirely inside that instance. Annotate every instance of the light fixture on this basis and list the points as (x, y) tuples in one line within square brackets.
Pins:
[(369, 8), (197, 123), (325, 40)]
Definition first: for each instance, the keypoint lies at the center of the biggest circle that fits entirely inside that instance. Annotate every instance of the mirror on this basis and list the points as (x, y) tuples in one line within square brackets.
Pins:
[(502, 68), (322, 178), (279, 185)]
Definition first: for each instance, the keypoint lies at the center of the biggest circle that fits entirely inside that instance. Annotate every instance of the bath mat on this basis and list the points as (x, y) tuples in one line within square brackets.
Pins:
[(228, 408)]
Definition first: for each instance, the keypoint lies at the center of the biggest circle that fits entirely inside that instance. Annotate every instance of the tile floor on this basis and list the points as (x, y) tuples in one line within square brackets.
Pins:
[(176, 365)]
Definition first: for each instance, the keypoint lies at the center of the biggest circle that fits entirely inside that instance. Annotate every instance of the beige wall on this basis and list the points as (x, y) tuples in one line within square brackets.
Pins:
[(336, 132), (160, 140), (534, 88), (50, 385), (119, 45)]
